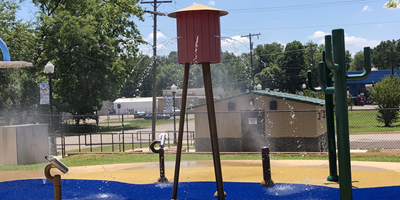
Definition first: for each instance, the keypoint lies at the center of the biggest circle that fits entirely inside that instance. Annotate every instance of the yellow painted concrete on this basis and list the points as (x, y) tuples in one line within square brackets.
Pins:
[(314, 172)]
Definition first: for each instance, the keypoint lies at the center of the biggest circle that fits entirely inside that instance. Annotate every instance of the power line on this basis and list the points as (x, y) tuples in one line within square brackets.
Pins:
[(300, 6), (318, 26)]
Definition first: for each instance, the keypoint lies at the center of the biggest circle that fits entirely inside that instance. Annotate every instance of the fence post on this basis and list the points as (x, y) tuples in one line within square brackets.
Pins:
[(112, 142), (187, 132), (79, 141), (123, 135)]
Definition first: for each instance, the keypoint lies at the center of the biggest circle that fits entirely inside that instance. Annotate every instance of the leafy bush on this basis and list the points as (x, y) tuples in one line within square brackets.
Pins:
[(386, 94)]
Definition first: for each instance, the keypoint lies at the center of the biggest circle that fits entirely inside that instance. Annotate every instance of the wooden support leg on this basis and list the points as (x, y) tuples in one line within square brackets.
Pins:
[(213, 129), (180, 134)]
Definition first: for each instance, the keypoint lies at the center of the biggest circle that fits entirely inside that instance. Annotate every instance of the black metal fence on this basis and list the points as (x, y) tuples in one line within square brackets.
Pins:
[(125, 133)]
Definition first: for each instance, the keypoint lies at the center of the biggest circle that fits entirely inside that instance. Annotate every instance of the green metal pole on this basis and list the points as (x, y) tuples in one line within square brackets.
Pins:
[(324, 78), (342, 121), (330, 124)]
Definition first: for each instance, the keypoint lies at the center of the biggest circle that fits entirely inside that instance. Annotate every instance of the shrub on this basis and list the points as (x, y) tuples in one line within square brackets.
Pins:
[(386, 94)]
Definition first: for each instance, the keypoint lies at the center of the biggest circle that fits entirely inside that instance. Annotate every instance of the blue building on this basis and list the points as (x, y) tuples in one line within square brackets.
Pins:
[(358, 87)]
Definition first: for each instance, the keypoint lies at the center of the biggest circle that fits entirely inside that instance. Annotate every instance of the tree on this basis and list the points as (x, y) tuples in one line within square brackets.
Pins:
[(357, 64), (233, 73), (85, 41), (381, 57), (140, 73), (267, 55), (392, 4), (17, 86), (313, 55), (386, 94), (293, 66)]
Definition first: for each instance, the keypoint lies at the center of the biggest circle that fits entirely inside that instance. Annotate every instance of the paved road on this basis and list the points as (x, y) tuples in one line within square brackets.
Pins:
[(357, 141)]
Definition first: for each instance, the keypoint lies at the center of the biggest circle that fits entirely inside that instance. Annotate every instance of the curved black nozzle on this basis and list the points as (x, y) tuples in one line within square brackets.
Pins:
[(163, 137)]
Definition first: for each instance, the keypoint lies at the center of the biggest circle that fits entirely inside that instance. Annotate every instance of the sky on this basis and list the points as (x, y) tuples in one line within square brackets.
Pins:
[(365, 22)]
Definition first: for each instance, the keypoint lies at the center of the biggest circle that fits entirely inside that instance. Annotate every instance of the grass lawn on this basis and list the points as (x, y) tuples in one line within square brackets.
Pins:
[(364, 121), (102, 159)]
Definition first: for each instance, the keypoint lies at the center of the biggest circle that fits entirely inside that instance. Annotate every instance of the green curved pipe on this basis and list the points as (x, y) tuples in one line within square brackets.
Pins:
[(367, 67), (309, 82), (322, 79), (328, 54)]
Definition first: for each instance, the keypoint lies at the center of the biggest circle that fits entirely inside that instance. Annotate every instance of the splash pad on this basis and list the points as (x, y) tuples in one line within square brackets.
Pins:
[(294, 179)]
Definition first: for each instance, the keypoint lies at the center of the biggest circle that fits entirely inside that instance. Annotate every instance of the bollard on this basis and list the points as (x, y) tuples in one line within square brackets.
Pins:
[(266, 168), (163, 136)]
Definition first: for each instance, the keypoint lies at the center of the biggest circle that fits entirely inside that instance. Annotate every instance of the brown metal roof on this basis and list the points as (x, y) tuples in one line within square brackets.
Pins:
[(197, 7)]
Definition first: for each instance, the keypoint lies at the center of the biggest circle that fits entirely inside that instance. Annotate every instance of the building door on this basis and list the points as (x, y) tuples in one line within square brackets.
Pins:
[(253, 130)]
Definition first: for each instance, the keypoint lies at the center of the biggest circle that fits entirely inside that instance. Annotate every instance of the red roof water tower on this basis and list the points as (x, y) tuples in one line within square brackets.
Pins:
[(199, 35)]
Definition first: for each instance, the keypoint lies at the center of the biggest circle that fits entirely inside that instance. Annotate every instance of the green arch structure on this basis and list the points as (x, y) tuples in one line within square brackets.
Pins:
[(4, 50)]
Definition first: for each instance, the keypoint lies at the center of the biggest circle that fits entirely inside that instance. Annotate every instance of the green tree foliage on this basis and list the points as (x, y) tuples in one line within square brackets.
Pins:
[(233, 73), (16, 93), (386, 94), (267, 55), (139, 78), (381, 55), (86, 42), (313, 55), (357, 64), (293, 67), (392, 4)]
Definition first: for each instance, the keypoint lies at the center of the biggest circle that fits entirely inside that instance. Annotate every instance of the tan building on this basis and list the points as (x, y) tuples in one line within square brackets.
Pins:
[(248, 121), (195, 96)]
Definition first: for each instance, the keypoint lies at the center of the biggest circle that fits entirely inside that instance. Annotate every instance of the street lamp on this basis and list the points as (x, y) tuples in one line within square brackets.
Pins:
[(304, 86), (258, 87), (49, 68), (174, 88), (137, 93)]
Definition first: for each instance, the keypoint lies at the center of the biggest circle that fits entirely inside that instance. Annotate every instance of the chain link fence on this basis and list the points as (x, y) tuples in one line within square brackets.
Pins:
[(282, 131)]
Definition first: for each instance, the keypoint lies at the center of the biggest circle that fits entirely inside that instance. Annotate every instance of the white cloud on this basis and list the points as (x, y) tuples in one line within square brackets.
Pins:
[(211, 3), (234, 41), (360, 42), (366, 8), (238, 53), (318, 34), (283, 44), (159, 36), (354, 41)]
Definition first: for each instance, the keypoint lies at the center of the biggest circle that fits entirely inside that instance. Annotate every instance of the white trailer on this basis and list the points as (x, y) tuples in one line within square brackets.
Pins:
[(130, 105)]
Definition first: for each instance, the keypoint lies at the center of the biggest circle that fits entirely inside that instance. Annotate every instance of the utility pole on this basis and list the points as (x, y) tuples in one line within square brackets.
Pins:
[(312, 61), (251, 56), (155, 4)]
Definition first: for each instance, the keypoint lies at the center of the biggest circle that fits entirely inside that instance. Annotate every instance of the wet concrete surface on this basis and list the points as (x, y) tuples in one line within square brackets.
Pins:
[(313, 172)]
